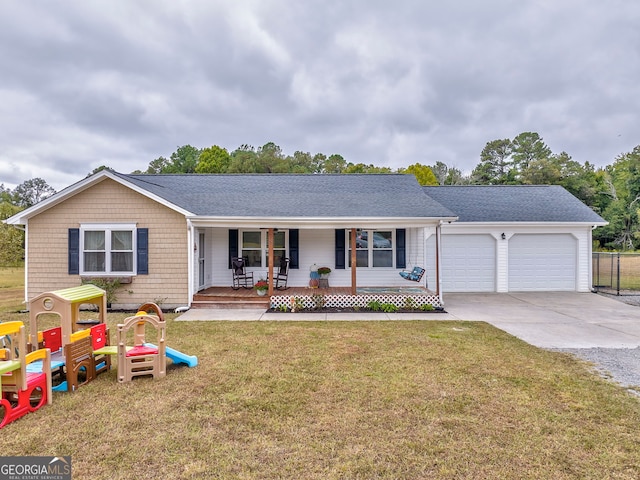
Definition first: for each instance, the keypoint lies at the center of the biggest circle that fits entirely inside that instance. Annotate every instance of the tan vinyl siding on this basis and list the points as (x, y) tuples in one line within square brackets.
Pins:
[(110, 202)]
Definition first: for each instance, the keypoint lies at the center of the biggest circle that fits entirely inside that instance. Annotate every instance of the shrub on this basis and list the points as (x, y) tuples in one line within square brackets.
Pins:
[(297, 304), (374, 305), (318, 301), (389, 307), (409, 303), (109, 285)]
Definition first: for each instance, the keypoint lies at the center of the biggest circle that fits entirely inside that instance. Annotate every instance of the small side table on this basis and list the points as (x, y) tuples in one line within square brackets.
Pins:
[(323, 283)]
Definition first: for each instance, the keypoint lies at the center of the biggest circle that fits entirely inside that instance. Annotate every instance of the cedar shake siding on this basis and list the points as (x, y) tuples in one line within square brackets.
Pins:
[(105, 203)]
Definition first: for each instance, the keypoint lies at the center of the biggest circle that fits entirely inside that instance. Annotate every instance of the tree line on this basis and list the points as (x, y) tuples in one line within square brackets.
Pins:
[(269, 159), (612, 191)]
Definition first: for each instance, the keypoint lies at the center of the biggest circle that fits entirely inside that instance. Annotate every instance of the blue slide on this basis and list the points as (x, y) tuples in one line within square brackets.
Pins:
[(176, 356), (179, 357)]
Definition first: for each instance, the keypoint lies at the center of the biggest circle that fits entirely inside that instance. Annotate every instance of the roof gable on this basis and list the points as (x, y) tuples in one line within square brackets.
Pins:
[(21, 218), (514, 203)]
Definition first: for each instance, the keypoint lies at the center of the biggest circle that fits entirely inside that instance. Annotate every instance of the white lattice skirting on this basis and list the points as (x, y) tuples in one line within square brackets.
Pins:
[(314, 302)]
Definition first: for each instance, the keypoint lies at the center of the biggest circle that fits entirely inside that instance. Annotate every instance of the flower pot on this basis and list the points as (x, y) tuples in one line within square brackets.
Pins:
[(261, 293), (324, 275)]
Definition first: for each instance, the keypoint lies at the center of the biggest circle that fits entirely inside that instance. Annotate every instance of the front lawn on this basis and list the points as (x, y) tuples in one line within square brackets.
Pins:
[(423, 399), (11, 289)]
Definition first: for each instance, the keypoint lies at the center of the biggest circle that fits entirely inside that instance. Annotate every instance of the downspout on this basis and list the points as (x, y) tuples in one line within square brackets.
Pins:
[(26, 261), (190, 254), (590, 247), (438, 259)]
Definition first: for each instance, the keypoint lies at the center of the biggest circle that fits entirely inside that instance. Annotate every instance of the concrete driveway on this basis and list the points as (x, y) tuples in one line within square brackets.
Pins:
[(553, 319), (546, 320)]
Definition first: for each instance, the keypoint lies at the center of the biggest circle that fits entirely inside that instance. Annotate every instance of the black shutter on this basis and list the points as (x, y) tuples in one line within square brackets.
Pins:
[(340, 249), (74, 251), (401, 248), (143, 251), (233, 244), (294, 247)]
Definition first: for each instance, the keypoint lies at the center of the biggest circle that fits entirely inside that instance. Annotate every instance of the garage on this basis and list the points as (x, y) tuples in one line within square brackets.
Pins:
[(468, 262), (543, 238), (544, 262)]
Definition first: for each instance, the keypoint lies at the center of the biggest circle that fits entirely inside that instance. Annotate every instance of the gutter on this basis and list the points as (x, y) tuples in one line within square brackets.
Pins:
[(318, 222)]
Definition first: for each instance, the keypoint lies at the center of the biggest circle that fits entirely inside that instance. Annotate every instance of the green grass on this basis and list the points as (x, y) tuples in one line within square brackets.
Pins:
[(334, 400), (11, 289), (344, 400), (606, 274)]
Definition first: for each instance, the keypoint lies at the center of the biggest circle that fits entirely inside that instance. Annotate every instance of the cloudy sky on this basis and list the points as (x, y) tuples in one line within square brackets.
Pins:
[(121, 82)]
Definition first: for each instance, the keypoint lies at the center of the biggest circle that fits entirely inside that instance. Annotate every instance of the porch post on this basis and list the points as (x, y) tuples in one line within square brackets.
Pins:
[(270, 274), (353, 262), (438, 292)]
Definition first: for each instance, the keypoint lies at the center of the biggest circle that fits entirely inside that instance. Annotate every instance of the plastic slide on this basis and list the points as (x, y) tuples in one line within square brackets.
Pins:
[(178, 357)]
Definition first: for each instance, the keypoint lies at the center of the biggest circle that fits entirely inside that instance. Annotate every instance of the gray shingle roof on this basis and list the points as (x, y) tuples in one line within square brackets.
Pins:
[(513, 203), (292, 195)]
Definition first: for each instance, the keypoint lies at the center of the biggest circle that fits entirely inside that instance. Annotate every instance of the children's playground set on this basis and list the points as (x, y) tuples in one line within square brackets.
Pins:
[(66, 357)]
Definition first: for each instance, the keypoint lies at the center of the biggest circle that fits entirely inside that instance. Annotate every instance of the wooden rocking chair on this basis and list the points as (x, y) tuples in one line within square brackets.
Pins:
[(280, 277), (241, 278)]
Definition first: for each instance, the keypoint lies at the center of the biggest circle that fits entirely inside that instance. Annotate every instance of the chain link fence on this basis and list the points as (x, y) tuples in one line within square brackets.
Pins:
[(616, 273)]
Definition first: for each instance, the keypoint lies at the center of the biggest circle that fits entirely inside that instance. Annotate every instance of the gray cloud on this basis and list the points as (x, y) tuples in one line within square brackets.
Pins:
[(390, 83)]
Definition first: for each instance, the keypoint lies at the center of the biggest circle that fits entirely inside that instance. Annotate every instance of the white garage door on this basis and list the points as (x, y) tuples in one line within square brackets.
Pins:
[(468, 262), (542, 262)]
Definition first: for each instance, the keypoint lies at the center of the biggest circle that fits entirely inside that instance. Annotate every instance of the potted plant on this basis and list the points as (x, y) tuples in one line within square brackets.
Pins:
[(261, 287), (324, 272)]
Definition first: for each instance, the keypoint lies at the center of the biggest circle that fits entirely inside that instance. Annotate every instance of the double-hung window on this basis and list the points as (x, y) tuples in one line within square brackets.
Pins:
[(254, 246), (374, 248), (107, 249)]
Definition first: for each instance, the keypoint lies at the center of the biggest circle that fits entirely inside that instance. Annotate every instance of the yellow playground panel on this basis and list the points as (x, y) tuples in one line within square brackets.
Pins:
[(66, 305)]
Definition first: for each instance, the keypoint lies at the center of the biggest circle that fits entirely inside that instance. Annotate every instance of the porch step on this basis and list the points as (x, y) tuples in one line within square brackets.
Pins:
[(231, 303)]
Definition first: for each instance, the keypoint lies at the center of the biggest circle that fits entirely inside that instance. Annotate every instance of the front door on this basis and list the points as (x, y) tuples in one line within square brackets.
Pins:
[(201, 245)]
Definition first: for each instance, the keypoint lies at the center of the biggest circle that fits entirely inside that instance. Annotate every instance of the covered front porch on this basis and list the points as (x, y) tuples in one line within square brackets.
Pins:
[(306, 298), (361, 271)]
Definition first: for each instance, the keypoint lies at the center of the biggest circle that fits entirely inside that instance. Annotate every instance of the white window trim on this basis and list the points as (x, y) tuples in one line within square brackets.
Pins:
[(370, 248), (263, 244), (107, 228)]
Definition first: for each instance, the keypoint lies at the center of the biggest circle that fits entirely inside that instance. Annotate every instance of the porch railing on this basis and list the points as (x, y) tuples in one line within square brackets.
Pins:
[(318, 300)]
